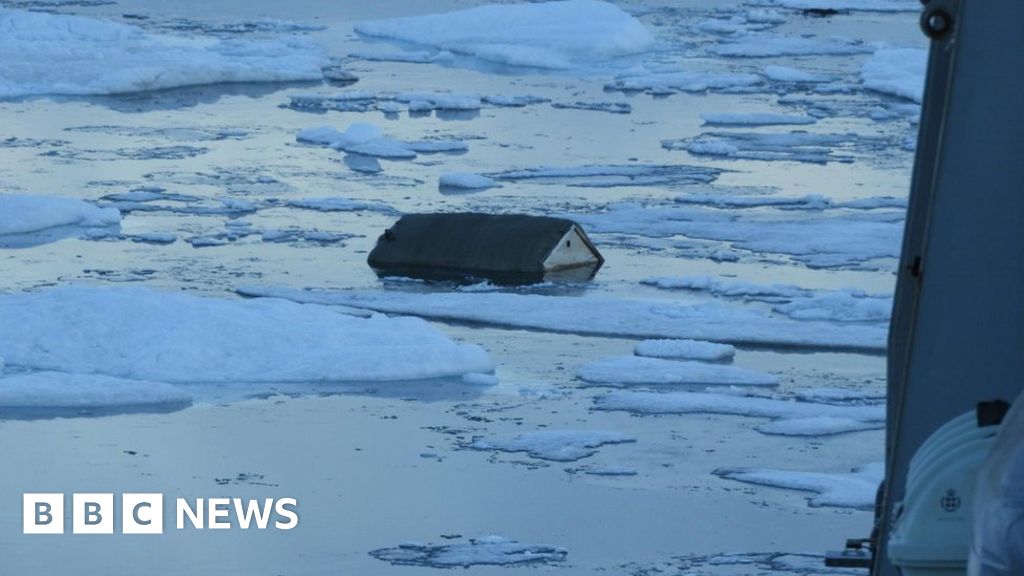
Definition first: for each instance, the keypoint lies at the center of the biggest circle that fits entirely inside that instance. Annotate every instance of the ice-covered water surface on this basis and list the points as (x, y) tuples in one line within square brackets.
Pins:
[(784, 247)]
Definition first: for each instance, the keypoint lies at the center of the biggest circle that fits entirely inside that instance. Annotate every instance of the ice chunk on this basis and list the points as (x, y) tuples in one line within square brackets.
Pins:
[(25, 214), (55, 390), (792, 417), (514, 101), (793, 146), (839, 306), (685, 350), (612, 107), (756, 119), (555, 35), (896, 71), (441, 100), (638, 370), (839, 395), (71, 55), (368, 140), (439, 145), (556, 445), (661, 81), (173, 337), (600, 316), (466, 181), (854, 489), (765, 45), (486, 550)]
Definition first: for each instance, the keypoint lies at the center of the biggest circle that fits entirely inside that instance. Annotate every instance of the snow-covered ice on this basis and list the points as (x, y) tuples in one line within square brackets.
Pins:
[(24, 214), (854, 489), (839, 306), (611, 175), (51, 54), (601, 316), (646, 371), (790, 416), (482, 551), (796, 146), (465, 181), (339, 204), (728, 288), (896, 71), (173, 337), (369, 140), (666, 81), (554, 35), (685, 350), (555, 445), (51, 390)]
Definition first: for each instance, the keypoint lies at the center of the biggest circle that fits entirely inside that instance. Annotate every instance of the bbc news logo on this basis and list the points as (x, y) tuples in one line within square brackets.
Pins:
[(94, 513)]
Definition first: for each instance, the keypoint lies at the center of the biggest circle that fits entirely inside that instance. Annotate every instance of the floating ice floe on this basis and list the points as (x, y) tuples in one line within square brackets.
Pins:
[(685, 350), (441, 100), (756, 119), (856, 489), (789, 417), (553, 35), (840, 395), (645, 371), (662, 81), (843, 5), (601, 316), (611, 175), (765, 563), (50, 54), (847, 241), (48, 392), (794, 146), (368, 140), (798, 303), (465, 181), (172, 337), (612, 107), (896, 71), (30, 220), (339, 204), (483, 551), (765, 45), (555, 445)]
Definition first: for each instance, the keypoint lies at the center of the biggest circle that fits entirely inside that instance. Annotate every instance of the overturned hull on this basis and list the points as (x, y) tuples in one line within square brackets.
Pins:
[(502, 248)]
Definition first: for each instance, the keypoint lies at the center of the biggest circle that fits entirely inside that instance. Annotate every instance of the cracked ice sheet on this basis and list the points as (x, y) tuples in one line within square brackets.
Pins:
[(173, 337), (789, 417), (855, 489), (639, 370), (48, 54), (567, 35), (841, 241), (600, 316), (555, 445), (486, 550), (794, 146)]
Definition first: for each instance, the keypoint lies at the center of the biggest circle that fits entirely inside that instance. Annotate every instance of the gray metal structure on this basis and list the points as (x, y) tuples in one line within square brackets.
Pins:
[(957, 332)]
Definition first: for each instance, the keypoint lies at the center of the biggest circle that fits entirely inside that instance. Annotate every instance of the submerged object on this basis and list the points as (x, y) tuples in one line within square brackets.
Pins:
[(504, 248)]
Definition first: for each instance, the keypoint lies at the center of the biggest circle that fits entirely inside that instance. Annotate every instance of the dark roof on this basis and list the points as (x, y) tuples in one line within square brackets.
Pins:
[(468, 243)]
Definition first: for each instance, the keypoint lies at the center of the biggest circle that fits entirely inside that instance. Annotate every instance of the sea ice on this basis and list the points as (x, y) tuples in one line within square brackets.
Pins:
[(554, 35), (51, 54), (465, 181), (790, 416), (556, 445), (896, 71), (639, 370), (610, 175), (41, 390), (755, 119), (854, 489), (780, 73), (483, 551), (144, 334), (844, 5), (666, 81), (601, 316), (797, 146), (685, 350), (339, 204), (24, 214), (764, 45)]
